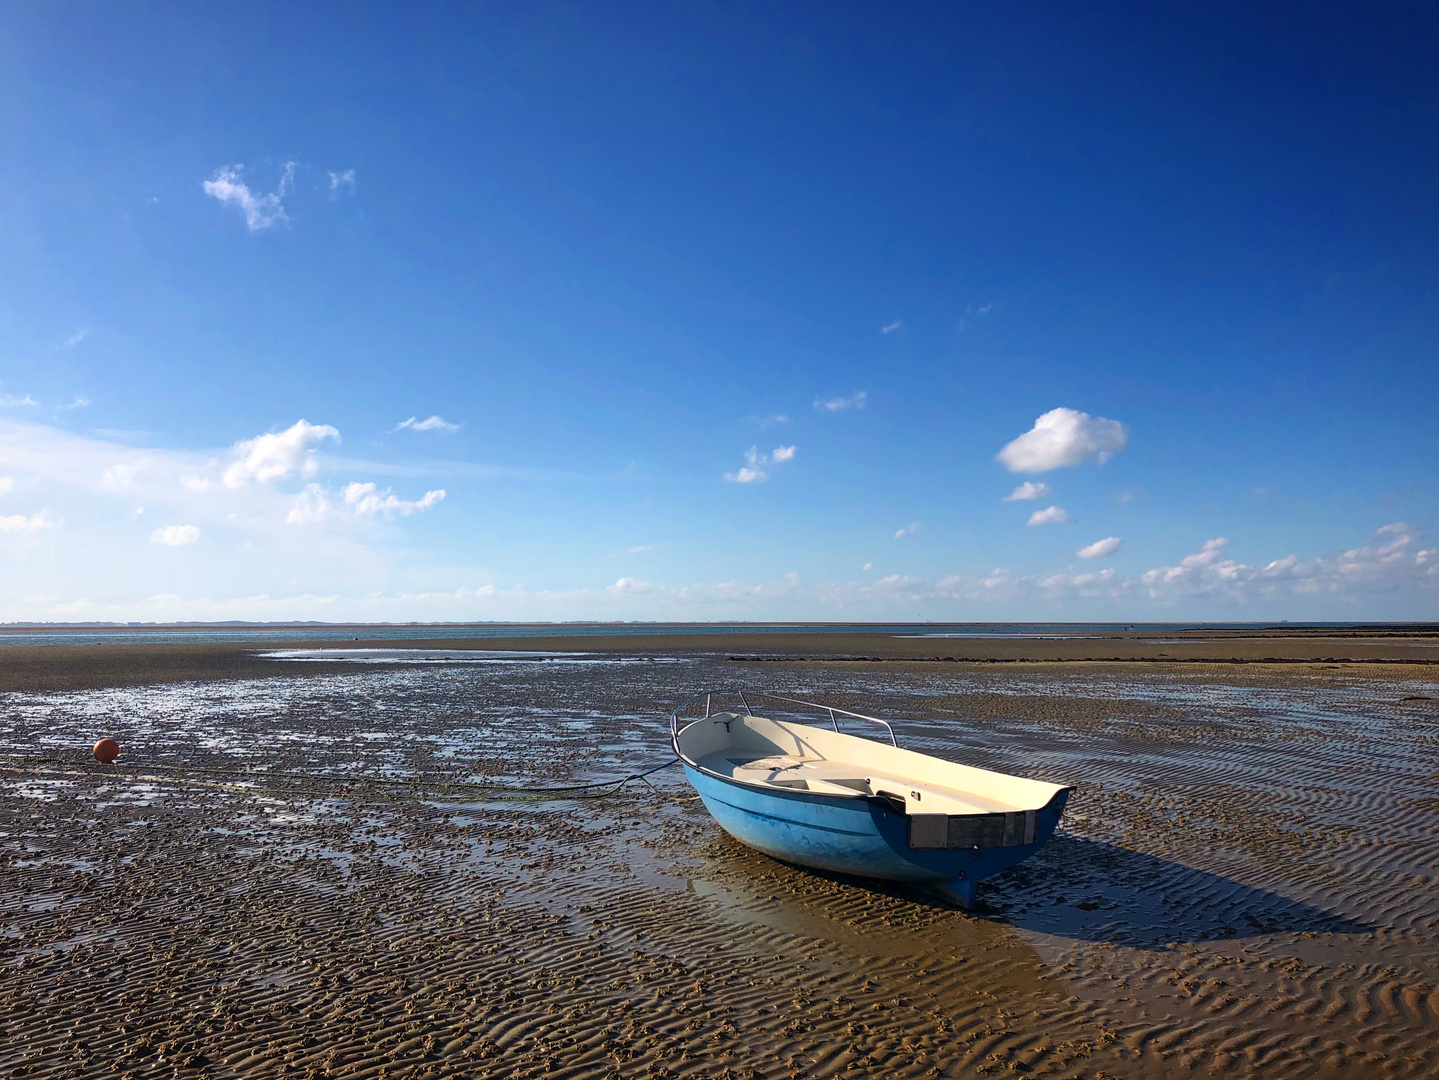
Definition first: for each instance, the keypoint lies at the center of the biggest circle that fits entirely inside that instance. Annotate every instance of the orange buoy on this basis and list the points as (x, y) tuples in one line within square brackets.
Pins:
[(106, 751)]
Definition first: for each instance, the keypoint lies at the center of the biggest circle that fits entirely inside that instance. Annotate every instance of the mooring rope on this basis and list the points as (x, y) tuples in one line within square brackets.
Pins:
[(340, 786)]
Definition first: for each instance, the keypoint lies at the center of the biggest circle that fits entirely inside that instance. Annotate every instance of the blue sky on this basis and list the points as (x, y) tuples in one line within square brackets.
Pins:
[(724, 312)]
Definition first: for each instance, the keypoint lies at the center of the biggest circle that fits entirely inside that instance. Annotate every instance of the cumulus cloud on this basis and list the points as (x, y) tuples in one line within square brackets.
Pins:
[(1064, 437), (890, 328), (369, 500), (175, 535), (434, 423), (277, 454), (342, 181), (261, 211), (1391, 562), (908, 530), (310, 506), (6, 483), (21, 523), (1208, 553), (840, 404), (1050, 515), (1028, 490), (752, 472), (1101, 549)]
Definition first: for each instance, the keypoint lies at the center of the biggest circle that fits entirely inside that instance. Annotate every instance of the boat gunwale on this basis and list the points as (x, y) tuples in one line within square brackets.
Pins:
[(804, 795)]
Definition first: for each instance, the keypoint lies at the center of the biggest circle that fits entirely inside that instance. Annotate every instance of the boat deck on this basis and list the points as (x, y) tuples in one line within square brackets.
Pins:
[(826, 776)]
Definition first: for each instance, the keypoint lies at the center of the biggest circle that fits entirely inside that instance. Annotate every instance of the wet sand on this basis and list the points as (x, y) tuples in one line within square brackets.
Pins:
[(1245, 882), (49, 667)]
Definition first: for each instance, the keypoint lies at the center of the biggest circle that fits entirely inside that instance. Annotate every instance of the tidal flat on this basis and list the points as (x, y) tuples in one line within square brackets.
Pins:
[(351, 868)]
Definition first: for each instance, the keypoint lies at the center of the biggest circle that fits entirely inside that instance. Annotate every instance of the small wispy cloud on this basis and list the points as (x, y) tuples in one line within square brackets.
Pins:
[(629, 585), (342, 182), (890, 328), (21, 523), (840, 404), (75, 338), (434, 423), (11, 399), (867, 566), (1028, 490), (984, 310), (368, 499), (77, 403), (908, 530), (7, 483), (175, 535), (1050, 515), (752, 472), (261, 211), (1101, 549), (768, 421), (1262, 491), (640, 549)]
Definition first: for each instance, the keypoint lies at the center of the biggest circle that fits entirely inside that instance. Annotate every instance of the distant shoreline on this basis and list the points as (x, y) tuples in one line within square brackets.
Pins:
[(98, 664)]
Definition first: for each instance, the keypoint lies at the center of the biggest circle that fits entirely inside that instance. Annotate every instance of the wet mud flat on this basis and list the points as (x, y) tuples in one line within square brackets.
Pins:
[(296, 875)]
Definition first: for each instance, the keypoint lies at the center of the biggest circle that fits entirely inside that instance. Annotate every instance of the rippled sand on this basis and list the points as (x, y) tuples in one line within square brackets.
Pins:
[(1245, 883)]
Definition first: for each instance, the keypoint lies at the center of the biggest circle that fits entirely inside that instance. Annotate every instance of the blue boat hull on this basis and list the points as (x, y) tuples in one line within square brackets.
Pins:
[(864, 837)]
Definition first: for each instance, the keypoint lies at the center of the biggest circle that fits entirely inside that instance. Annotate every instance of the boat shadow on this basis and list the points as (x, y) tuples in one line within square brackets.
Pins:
[(1093, 891), (1079, 889)]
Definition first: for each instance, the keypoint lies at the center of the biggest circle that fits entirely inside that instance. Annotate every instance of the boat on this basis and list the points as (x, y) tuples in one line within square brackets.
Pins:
[(822, 798)]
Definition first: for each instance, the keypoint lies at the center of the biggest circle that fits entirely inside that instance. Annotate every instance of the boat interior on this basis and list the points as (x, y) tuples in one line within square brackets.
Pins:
[(770, 753)]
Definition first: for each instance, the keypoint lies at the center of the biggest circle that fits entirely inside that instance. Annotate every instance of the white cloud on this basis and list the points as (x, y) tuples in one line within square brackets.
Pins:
[(434, 423), (310, 506), (1063, 437), (6, 483), (175, 535), (1028, 490), (867, 566), (752, 471), (367, 499), (840, 404), (629, 585), (261, 211), (1101, 549), (277, 454), (908, 530), (75, 403), (640, 549), (21, 523), (11, 399), (1050, 515), (770, 420), (75, 338), (890, 328), (1393, 563), (342, 181), (1207, 554)]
